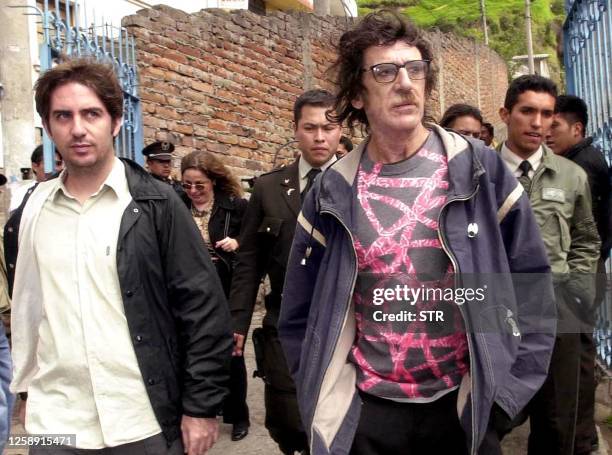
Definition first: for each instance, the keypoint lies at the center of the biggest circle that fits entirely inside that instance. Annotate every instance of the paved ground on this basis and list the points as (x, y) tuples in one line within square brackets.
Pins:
[(259, 443)]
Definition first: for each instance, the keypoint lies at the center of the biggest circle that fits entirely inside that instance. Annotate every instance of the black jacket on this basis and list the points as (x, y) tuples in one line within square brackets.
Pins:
[(592, 160), (265, 241), (225, 221), (174, 305)]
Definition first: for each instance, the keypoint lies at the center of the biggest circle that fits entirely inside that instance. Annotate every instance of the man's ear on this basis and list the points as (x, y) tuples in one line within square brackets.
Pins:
[(578, 130), (116, 126), (504, 114)]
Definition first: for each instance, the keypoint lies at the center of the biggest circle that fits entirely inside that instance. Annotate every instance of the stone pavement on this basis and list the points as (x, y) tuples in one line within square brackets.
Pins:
[(259, 443)]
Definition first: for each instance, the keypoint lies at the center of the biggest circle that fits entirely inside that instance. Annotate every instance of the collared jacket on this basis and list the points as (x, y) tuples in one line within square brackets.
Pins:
[(225, 221), (560, 197), (174, 305), (592, 160), (485, 227), (265, 241)]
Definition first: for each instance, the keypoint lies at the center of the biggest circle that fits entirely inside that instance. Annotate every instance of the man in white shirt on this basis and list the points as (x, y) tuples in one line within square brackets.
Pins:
[(121, 334)]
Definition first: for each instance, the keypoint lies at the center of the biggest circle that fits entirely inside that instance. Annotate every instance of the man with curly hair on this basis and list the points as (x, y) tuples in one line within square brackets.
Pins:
[(414, 213)]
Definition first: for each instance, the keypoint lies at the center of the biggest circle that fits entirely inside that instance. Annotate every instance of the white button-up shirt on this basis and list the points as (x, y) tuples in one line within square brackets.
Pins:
[(514, 161), (304, 168), (88, 382)]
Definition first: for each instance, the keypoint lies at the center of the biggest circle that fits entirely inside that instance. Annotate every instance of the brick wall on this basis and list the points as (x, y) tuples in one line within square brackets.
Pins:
[(226, 82)]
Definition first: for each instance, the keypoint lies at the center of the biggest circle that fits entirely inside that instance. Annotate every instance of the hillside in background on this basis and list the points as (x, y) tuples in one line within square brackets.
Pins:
[(505, 19)]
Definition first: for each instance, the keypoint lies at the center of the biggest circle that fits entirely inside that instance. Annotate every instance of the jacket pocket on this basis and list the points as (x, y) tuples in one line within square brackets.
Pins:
[(556, 233), (566, 238), (270, 226)]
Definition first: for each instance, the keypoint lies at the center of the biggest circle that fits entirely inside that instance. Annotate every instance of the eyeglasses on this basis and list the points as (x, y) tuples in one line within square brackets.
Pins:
[(197, 186), (387, 72)]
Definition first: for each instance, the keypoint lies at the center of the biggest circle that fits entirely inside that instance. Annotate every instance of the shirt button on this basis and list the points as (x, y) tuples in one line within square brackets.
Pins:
[(138, 338), (129, 293), (10, 229), (135, 210), (150, 381), (11, 266)]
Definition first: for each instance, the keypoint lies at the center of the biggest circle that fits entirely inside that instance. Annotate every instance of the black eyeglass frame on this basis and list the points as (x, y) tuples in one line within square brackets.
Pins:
[(397, 70)]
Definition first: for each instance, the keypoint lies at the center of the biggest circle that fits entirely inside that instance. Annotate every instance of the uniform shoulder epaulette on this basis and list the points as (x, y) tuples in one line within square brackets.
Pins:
[(280, 168)]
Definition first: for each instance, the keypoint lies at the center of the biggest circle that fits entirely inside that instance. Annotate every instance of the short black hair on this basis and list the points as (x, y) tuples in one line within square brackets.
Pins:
[(348, 144), (533, 82), (317, 97), (489, 128), (573, 109), (37, 155), (459, 110)]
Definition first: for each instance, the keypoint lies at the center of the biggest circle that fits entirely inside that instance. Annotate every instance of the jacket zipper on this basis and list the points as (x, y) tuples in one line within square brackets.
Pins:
[(354, 280), (453, 260), (512, 323)]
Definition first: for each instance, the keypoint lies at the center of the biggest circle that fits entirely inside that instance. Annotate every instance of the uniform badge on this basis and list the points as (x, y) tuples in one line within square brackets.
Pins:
[(289, 191), (165, 146), (553, 194), (286, 181)]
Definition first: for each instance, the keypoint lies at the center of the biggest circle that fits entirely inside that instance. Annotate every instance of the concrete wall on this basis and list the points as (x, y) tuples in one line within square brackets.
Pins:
[(16, 107)]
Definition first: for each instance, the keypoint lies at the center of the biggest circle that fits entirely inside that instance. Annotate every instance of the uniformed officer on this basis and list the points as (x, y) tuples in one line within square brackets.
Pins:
[(559, 194), (159, 163), (265, 240)]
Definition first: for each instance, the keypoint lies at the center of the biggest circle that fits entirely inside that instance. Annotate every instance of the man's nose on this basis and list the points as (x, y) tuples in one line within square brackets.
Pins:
[(78, 127), (403, 79), (319, 137)]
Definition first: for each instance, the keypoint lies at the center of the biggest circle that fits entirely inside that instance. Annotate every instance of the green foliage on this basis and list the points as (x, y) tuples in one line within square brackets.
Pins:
[(505, 19)]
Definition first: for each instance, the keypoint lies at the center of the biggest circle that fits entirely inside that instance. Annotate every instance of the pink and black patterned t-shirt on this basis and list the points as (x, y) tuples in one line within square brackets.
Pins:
[(402, 357)]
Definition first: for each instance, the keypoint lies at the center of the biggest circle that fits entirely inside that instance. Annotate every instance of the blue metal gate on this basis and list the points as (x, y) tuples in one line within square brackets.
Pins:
[(587, 39), (66, 32)]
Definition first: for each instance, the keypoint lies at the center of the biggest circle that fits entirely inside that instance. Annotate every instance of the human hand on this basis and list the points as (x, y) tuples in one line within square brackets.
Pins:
[(199, 434), (238, 345), (227, 244)]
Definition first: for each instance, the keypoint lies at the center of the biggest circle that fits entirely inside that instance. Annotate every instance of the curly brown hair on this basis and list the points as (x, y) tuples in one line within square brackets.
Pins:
[(215, 170), (380, 28), (99, 77)]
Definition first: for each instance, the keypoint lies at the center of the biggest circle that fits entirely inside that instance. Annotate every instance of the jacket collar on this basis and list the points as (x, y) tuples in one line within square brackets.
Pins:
[(579, 147), (463, 164), (223, 200), (141, 183), (549, 159)]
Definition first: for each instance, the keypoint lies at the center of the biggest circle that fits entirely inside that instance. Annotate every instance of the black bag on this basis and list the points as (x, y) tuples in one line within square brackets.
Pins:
[(258, 346)]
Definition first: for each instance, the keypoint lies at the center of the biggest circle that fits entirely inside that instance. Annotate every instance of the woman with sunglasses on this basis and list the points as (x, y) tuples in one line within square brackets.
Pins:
[(214, 196)]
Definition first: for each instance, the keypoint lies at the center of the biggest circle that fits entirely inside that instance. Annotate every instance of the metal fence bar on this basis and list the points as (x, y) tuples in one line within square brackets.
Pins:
[(587, 36)]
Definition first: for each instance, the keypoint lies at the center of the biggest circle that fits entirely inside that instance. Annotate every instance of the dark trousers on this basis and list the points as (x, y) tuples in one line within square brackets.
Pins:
[(155, 445), (553, 409), (282, 413), (586, 433), (390, 428), (235, 408)]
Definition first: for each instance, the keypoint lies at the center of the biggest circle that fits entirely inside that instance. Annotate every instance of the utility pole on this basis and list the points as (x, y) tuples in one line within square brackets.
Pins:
[(483, 14), (321, 7), (529, 37)]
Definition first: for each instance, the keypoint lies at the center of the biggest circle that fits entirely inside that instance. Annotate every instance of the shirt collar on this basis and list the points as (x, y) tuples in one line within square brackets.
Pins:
[(305, 167), (513, 160), (116, 181)]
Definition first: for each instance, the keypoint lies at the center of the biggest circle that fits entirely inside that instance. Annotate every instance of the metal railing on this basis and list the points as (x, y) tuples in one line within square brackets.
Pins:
[(587, 41)]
